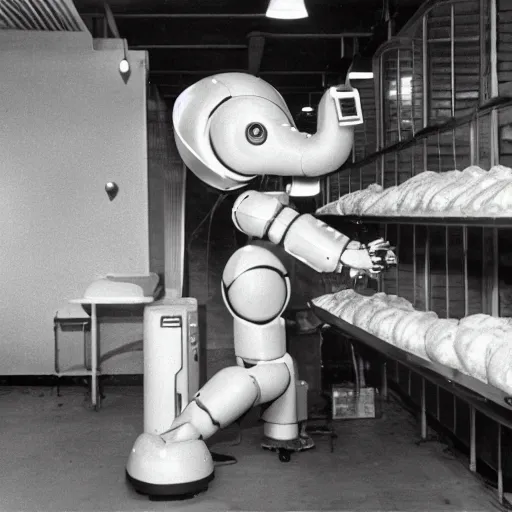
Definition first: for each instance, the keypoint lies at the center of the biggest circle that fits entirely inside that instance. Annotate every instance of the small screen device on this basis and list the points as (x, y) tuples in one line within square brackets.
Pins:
[(348, 105)]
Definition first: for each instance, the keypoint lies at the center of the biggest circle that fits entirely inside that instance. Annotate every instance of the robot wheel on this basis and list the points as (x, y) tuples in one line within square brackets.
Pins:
[(159, 492), (284, 455)]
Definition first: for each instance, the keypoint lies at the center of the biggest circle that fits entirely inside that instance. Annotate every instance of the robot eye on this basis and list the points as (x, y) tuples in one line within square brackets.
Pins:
[(256, 134)]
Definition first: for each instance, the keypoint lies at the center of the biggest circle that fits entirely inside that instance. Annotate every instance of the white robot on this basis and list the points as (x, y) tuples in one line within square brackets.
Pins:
[(229, 129)]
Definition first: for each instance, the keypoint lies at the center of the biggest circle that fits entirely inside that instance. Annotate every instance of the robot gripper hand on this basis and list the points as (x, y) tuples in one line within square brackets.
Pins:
[(368, 259)]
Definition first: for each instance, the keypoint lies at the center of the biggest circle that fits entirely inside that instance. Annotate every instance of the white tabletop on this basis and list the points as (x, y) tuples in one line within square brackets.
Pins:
[(113, 300)]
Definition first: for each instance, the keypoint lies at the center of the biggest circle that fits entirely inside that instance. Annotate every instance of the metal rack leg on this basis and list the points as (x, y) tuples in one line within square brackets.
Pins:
[(56, 344), (472, 440), (384, 383), (454, 414), (423, 411), (95, 399), (500, 468)]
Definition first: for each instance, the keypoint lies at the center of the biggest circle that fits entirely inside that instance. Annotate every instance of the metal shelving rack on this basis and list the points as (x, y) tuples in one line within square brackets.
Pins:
[(484, 222), (482, 396), (486, 399), (438, 110)]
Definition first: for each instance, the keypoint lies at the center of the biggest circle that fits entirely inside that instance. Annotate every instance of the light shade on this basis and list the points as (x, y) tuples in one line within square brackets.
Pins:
[(360, 69), (287, 9)]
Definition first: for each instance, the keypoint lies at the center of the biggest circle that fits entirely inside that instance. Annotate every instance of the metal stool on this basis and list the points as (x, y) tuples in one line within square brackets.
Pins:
[(71, 316)]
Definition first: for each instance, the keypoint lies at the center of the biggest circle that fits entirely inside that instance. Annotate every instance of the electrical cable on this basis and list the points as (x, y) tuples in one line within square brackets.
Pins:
[(356, 369), (193, 235), (212, 213)]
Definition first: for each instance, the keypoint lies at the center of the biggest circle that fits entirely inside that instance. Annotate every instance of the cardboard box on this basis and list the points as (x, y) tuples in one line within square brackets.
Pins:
[(349, 404)]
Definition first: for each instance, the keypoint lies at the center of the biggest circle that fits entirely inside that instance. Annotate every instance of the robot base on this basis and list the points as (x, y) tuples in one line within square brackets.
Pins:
[(169, 470), (286, 448), (181, 491)]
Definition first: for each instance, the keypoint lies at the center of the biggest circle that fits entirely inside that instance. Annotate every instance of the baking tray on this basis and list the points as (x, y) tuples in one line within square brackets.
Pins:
[(486, 398), (490, 222)]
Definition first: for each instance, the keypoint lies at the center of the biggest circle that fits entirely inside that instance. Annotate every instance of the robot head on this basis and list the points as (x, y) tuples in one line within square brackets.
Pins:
[(232, 127)]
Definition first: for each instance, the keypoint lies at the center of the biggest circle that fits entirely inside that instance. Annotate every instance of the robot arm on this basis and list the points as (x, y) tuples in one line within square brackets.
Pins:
[(306, 238)]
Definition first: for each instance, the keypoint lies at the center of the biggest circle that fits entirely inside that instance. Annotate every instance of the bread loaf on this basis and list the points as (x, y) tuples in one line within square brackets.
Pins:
[(351, 306), (483, 321), (373, 190), (439, 340), (413, 337), (474, 348), (413, 190), (471, 192), (377, 325), (347, 205), (382, 204), (499, 367), (501, 203), (342, 300), (454, 187), (385, 328), (366, 312), (479, 204), (399, 302), (409, 332)]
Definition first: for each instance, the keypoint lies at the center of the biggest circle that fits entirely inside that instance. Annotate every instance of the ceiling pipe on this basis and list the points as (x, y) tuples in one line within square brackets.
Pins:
[(255, 57), (270, 35), (111, 22), (189, 47), (287, 93), (135, 16), (314, 89), (206, 72)]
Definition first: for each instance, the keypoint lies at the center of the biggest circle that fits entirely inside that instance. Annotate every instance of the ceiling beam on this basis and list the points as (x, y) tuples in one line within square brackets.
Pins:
[(270, 35), (284, 90), (206, 72), (256, 49), (162, 16), (189, 47)]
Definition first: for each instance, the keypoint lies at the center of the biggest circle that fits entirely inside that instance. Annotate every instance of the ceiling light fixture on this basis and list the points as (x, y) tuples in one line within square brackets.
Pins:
[(308, 109), (287, 9), (361, 68)]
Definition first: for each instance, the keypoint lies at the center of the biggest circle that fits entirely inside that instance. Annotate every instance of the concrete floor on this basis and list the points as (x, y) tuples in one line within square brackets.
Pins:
[(58, 455)]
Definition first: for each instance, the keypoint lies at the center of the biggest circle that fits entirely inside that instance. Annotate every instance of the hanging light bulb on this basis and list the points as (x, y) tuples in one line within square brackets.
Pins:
[(287, 9), (124, 65)]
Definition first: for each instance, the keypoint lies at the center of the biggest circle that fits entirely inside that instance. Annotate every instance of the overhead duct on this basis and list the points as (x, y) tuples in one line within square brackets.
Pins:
[(47, 15)]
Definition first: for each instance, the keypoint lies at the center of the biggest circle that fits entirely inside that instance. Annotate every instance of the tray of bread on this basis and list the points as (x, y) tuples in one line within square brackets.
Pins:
[(471, 196), (474, 352)]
